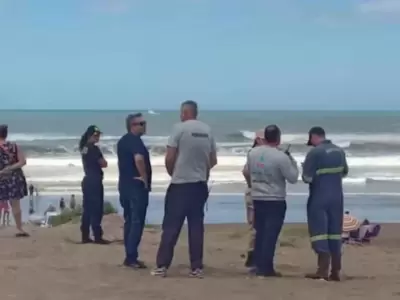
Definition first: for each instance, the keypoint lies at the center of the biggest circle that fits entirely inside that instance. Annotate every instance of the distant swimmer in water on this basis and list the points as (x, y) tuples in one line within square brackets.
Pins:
[(31, 189), (62, 204), (72, 202), (50, 208)]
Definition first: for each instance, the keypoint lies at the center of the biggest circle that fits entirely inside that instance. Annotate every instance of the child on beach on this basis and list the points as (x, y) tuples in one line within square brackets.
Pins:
[(5, 213)]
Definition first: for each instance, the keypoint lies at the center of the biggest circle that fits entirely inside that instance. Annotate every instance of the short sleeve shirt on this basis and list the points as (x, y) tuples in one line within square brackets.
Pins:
[(194, 142), (91, 155), (128, 146)]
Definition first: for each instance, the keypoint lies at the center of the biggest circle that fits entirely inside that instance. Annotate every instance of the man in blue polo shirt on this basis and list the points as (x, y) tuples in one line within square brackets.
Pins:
[(134, 186)]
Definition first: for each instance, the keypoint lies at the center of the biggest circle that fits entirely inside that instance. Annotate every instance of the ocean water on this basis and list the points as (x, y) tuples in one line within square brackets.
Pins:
[(49, 140), (229, 208)]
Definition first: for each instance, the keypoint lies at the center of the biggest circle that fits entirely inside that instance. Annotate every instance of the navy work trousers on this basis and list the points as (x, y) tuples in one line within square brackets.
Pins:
[(134, 199), (184, 200), (325, 224), (269, 217), (93, 206)]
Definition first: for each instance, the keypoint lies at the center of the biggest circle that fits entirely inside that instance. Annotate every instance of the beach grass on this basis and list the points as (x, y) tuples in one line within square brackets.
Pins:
[(74, 215)]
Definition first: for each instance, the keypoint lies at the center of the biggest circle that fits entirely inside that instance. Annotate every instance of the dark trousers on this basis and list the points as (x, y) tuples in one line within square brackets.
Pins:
[(268, 220), (134, 199), (93, 205), (185, 200)]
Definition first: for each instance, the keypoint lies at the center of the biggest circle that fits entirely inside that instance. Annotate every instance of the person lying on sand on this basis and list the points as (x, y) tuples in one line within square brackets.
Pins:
[(356, 232)]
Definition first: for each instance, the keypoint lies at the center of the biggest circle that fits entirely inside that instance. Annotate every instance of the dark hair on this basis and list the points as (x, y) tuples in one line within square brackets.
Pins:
[(254, 144), (84, 139), (192, 106), (3, 131), (272, 133), (129, 120)]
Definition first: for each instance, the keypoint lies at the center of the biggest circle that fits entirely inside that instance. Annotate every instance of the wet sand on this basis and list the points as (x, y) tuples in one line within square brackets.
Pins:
[(50, 265)]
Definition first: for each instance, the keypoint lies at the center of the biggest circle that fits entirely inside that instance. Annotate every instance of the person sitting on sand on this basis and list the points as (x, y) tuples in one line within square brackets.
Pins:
[(72, 202), (259, 140), (5, 213), (50, 208)]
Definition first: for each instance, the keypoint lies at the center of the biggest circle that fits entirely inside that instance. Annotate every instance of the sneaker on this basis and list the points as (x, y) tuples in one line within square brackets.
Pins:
[(160, 272), (135, 265), (197, 273)]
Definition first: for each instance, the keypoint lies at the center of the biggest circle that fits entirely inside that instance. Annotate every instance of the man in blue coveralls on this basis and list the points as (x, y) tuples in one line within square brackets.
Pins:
[(323, 169)]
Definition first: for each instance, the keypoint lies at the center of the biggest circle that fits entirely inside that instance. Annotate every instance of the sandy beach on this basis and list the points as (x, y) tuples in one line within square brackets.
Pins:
[(51, 265)]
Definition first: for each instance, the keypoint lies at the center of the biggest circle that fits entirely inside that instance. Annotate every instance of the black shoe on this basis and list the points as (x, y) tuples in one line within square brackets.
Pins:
[(135, 265), (269, 274), (249, 260), (323, 268), (87, 241), (102, 242), (335, 276)]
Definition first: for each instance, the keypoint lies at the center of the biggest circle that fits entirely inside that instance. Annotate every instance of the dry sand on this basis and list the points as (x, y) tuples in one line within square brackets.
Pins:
[(50, 265)]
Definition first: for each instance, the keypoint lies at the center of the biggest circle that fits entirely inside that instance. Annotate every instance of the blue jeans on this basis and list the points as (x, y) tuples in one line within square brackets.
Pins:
[(268, 221), (134, 199)]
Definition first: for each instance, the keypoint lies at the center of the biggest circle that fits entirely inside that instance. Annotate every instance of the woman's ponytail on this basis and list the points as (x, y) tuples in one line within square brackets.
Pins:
[(83, 141)]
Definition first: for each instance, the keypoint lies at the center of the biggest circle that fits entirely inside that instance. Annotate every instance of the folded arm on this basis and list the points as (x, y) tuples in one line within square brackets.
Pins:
[(20, 163)]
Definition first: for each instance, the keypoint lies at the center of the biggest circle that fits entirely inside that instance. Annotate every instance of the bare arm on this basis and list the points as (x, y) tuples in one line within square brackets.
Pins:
[(103, 163), (141, 167), (170, 159), (213, 154), (172, 149)]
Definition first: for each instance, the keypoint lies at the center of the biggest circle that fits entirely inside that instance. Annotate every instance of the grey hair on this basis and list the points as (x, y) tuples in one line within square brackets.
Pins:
[(192, 106), (129, 120)]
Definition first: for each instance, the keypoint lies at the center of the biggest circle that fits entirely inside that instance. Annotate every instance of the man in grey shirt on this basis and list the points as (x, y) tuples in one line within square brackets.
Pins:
[(268, 170), (191, 154)]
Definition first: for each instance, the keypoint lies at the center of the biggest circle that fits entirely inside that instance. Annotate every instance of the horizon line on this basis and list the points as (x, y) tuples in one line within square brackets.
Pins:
[(207, 110)]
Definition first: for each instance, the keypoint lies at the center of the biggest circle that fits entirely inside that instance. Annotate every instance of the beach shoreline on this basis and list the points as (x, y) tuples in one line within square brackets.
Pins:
[(69, 271), (230, 208)]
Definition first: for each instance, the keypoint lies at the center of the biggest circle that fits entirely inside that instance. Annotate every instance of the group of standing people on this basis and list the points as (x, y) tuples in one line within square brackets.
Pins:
[(190, 156), (267, 170)]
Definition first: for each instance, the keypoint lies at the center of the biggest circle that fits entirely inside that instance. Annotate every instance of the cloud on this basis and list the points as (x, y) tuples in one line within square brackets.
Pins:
[(391, 7)]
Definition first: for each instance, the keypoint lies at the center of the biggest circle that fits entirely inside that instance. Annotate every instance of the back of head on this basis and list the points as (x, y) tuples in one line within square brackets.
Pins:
[(189, 110), (272, 134), (315, 136), (3, 131)]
